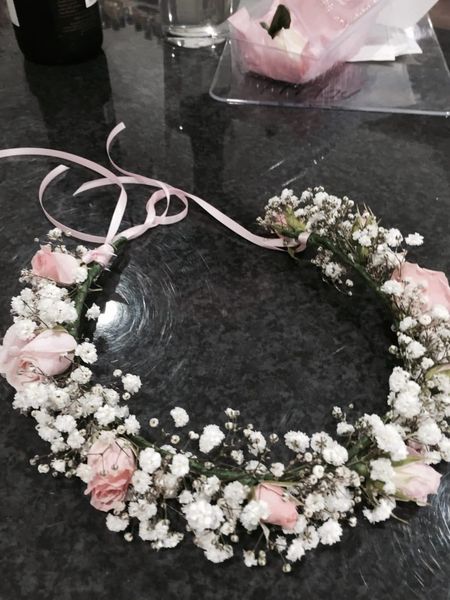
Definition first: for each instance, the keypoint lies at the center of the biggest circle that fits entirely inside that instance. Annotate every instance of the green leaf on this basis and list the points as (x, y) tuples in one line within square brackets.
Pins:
[(438, 370), (281, 20), (291, 252), (361, 468), (293, 222), (407, 461)]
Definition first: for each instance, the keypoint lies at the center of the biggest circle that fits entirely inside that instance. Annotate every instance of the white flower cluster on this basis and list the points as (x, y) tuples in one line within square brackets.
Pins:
[(69, 411), (61, 409), (346, 238), (336, 221), (419, 395), (44, 304)]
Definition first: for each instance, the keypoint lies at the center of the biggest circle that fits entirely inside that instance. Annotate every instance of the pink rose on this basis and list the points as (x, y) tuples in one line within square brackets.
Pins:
[(283, 512), (102, 255), (59, 267), (112, 467), (435, 283), (414, 480), (45, 355)]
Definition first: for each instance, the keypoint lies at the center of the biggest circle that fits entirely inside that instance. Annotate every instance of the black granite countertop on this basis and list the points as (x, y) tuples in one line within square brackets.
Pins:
[(208, 320)]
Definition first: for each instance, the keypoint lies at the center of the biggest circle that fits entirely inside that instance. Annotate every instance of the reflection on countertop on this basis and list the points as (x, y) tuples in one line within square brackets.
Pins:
[(207, 320), (142, 14)]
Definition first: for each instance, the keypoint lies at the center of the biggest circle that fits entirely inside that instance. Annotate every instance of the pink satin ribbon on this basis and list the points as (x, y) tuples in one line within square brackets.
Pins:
[(163, 192)]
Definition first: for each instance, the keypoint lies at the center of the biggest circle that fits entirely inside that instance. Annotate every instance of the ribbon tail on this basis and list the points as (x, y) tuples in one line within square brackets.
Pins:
[(83, 162), (164, 192)]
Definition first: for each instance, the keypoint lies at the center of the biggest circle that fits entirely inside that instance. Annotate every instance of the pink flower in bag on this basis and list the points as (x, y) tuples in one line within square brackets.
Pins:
[(112, 465), (435, 283), (59, 267), (278, 57), (320, 35), (283, 512), (45, 355)]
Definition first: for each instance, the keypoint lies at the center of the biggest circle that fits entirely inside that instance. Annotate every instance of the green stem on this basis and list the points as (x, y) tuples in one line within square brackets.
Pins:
[(83, 290), (354, 452), (317, 240), (199, 468)]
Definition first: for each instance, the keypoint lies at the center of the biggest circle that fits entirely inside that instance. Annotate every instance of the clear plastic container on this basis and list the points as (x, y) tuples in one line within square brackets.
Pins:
[(323, 33), (415, 84)]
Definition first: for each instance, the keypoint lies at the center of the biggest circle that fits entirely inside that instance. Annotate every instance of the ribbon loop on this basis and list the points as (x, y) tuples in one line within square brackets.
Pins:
[(163, 191)]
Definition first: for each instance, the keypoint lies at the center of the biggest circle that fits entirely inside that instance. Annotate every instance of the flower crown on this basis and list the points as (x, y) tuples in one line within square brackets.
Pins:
[(225, 481)]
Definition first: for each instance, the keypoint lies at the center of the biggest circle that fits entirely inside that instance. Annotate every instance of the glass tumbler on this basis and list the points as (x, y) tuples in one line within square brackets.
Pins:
[(195, 23)]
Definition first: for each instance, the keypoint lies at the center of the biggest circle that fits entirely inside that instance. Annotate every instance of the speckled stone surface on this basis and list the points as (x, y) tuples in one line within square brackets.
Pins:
[(208, 320)]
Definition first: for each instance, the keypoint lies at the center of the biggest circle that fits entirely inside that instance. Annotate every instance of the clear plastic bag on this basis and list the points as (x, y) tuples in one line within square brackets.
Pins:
[(322, 33)]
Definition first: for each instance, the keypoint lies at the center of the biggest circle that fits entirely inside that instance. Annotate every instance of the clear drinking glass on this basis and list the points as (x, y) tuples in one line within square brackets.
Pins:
[(195, 23)]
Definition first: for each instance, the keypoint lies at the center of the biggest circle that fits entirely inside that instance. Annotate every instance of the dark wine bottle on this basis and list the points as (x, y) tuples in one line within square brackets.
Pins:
[(57, 31)]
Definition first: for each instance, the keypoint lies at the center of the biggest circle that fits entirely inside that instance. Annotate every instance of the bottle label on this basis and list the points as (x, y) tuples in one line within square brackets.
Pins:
[(72, 17), (13, 13), (90, 3)]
